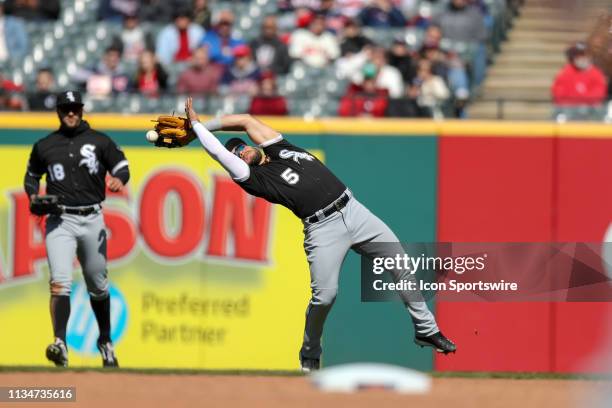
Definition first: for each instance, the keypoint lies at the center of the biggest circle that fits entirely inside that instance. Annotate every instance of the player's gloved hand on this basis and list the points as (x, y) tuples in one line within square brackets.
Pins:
[(173, 131), (44, 204)]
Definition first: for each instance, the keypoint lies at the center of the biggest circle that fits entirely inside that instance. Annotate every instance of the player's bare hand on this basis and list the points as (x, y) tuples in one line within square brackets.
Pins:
[(191, 114), (114, 184)]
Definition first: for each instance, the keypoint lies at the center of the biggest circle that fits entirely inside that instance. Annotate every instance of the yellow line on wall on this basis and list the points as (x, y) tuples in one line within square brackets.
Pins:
[(341, 126)]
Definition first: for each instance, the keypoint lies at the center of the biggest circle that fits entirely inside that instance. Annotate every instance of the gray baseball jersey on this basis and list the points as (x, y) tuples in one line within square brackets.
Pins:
[(297, 180)]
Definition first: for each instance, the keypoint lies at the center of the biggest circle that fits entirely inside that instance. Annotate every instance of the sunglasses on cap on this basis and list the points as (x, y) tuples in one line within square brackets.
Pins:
[(238, 149), (76, 108)]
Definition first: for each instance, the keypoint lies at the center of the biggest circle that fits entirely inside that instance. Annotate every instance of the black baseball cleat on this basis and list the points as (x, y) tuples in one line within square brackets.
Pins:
[(57, 353), (437, 341), (108, 354), (309, 364)]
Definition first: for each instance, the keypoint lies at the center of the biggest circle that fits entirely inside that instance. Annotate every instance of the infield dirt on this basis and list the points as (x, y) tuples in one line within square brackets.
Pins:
[(116, 389)]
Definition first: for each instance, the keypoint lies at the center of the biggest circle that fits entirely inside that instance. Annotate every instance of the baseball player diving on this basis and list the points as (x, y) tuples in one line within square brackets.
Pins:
[(334, 221), (75, 160)]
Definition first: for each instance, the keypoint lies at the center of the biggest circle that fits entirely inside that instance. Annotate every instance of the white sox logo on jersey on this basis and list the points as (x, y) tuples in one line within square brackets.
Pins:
[(288, 154), (90, 160)]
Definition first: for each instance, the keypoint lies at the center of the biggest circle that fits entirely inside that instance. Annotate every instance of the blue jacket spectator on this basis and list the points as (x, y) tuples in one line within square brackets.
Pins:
[(176, 42), (382, 14), (114, 10), (242, 77), (219, 41), (13, 38)]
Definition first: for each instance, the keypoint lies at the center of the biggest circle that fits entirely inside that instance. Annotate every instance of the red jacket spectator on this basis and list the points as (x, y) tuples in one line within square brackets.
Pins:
[(579, 82), (573, 86), (364, 100), (268, 105), (268, 101)]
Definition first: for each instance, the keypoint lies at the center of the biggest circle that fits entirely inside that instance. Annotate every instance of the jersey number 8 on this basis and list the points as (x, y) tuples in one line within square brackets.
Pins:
[(290, 176)]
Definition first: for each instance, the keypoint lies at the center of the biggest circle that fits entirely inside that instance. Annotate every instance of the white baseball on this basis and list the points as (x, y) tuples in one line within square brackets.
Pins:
[(152, 136)]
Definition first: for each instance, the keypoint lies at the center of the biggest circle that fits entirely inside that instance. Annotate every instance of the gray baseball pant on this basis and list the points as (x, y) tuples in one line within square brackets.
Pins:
[(326, 244), (68, 234)]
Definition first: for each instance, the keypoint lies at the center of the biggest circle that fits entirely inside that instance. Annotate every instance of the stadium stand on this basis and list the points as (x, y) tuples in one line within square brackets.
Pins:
[(76, 41), (519, 82)]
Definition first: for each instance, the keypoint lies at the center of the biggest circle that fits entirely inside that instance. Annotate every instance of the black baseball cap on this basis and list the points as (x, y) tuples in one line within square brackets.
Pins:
[(69, 98), (233, 143), (579, 48)]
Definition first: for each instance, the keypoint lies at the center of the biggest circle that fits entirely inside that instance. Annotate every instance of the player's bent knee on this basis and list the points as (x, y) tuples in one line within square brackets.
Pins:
[(98, 295), (60, 288), (324, 297), (98, 291)]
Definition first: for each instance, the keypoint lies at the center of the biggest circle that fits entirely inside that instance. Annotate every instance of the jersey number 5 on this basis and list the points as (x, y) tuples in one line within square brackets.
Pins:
[(290, 176)]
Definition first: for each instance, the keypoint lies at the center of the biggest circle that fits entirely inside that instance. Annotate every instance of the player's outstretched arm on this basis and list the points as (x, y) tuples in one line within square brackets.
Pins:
[(234, 165), (257, 131)]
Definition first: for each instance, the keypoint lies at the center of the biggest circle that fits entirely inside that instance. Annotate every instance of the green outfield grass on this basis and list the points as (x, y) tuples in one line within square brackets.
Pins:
[(287, 373)]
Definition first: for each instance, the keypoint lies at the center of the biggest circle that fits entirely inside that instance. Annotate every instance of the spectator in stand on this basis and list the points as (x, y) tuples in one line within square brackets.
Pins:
[(465, 23), (314, 46), (292, 5), (43, 99), (462, 22), (410, 10), (271, 54), (429, 89), (290, 11), (405, 107), (382, 14), (202, 77), (9, 94), (151, 79), (334, 20), (176, 41), (34, 10), (430, 49), (242, 76), (133, 39), (356, 51), (115, 10), (13, 38), (388, 77), (350, 8), (579, 83), (159, 11), (8, 102), (201, 13), (353, 41), (107, 77), (219, 40), (399, 56), (448, 65), (365, 99), (268, 101), (9, 85)]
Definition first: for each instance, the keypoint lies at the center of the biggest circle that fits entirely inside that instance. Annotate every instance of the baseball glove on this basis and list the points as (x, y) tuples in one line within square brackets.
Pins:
[(173, 131), (44, 204)]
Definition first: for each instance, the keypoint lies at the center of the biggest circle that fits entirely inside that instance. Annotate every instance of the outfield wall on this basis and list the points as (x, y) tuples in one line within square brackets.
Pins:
[(228, 288)]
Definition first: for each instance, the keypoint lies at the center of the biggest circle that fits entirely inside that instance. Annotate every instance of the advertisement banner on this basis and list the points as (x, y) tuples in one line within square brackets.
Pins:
[(202, 274)]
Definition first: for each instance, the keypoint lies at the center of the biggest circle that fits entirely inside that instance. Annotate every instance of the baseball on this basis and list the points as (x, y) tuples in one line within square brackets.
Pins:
[(152, 136)]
